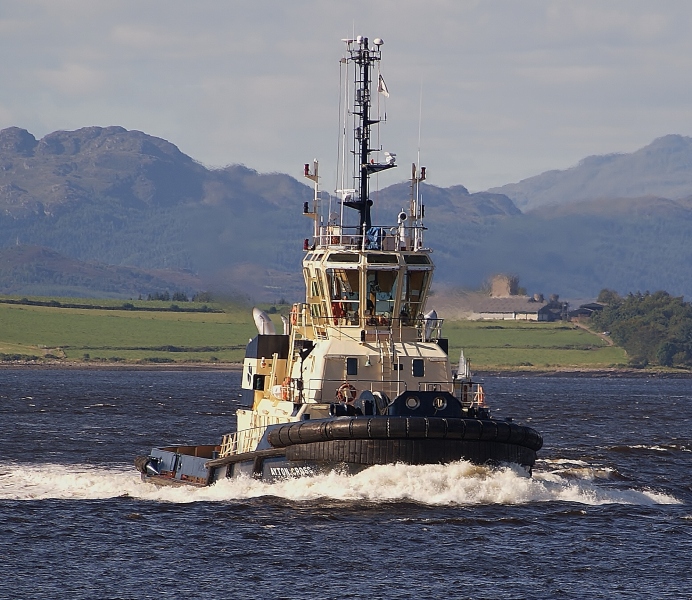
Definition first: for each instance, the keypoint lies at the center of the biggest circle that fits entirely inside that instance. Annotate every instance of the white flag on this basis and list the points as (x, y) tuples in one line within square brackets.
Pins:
[(382, 86)]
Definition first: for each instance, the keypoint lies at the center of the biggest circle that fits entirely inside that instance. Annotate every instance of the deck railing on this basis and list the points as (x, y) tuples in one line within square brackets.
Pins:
[(376, 327), (378, 237), (246, 440)]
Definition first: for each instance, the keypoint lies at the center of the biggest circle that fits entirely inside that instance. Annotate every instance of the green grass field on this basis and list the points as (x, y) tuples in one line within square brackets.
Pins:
[(125, 335), (130, 336), (517, 345)]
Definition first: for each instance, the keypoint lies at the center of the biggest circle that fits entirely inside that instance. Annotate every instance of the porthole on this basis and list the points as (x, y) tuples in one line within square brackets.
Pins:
[(440, 403), (412, 402)]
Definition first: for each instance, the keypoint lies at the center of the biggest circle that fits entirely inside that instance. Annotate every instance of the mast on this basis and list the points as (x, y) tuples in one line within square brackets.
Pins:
[(365, 58)]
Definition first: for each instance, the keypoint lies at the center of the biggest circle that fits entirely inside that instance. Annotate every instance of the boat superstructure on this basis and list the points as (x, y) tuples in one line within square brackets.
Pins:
[(360, 374)]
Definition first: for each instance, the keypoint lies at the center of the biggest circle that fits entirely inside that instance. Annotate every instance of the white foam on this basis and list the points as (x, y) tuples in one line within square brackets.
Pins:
[(458, 483), (588, 473), (654, 448), (564, 461)]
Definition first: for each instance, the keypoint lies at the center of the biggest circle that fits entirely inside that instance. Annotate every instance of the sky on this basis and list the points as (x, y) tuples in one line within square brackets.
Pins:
[(489, 91)]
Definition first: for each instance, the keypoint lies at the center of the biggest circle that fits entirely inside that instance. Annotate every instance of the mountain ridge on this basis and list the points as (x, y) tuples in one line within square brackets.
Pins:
[(127, 199), (662, 168)]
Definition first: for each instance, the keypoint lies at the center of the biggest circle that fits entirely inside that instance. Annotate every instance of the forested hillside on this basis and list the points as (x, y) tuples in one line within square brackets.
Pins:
[(36, 271), (127, 199), (629, 244)]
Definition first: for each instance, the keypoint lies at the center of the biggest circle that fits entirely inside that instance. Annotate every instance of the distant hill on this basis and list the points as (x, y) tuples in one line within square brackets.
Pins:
[(632, 244), (32, 270), (127, 213), (126, 198), (129, 199), (445, 204), (68, 167), (663, 168)]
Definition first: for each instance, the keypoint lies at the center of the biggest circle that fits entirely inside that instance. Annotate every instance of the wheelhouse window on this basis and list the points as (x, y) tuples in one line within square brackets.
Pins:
[(343, 258), (381, 294), (413, 294), (258, 382), (418, 367), (343, 287), (316, 312), (382, 259), (416, 259), (314, 289)]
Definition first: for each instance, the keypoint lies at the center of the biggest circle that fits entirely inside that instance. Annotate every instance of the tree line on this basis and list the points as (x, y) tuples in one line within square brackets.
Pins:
[(654, 329)]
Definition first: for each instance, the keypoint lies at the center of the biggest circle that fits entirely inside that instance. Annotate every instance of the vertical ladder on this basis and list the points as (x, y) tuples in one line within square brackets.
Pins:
[(389, 386)]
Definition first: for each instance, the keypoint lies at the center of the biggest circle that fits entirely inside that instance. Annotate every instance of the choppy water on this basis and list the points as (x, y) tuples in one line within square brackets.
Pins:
[(608, 513)]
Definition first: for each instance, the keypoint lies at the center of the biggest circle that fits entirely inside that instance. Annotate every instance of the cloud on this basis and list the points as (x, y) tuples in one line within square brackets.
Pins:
[(71, 80), (509, 88)]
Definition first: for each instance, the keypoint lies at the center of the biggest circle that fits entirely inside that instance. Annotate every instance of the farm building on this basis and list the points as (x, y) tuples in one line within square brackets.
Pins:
[(514, 308), (502, 303)]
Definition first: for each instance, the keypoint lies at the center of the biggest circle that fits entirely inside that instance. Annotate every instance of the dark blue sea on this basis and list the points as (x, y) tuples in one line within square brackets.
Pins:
[(607, 514)]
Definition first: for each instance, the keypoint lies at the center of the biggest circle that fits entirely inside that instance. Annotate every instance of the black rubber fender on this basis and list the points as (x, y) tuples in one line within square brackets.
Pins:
[(473, 429), (141, 463), (517, 434), (367, 452), (402, 428)]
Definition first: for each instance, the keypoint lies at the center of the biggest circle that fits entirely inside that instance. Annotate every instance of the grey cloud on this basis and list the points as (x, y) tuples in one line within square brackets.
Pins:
[(510, 89)]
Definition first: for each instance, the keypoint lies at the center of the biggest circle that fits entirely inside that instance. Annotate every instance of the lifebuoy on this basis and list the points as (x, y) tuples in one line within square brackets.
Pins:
[(346, 393), (294, 315)]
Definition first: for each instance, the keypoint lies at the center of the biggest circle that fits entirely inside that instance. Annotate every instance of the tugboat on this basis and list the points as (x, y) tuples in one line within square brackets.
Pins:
[(360, 375)]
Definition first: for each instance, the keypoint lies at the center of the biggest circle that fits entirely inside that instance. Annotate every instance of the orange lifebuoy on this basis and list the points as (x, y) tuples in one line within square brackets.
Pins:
[(346, 393), (294, 315)]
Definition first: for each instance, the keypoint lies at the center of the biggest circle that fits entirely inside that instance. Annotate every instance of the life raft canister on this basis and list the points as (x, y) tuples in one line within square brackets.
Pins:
[(346, 392)]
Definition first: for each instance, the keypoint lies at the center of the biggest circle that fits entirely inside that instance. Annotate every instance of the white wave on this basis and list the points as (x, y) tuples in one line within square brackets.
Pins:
[(644, 447), (588, 473), (458, 483), (563, 461)]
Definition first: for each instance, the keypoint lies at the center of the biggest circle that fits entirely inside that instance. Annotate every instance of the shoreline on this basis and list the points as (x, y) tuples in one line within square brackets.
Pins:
[(588, 373), (480, 373), (98, 366)]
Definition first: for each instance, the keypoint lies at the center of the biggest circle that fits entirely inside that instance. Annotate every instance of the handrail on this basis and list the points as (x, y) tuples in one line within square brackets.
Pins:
[(470, 394), (379, 237), (373, 385), (245, 440), (435, 386), (380, 325)]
